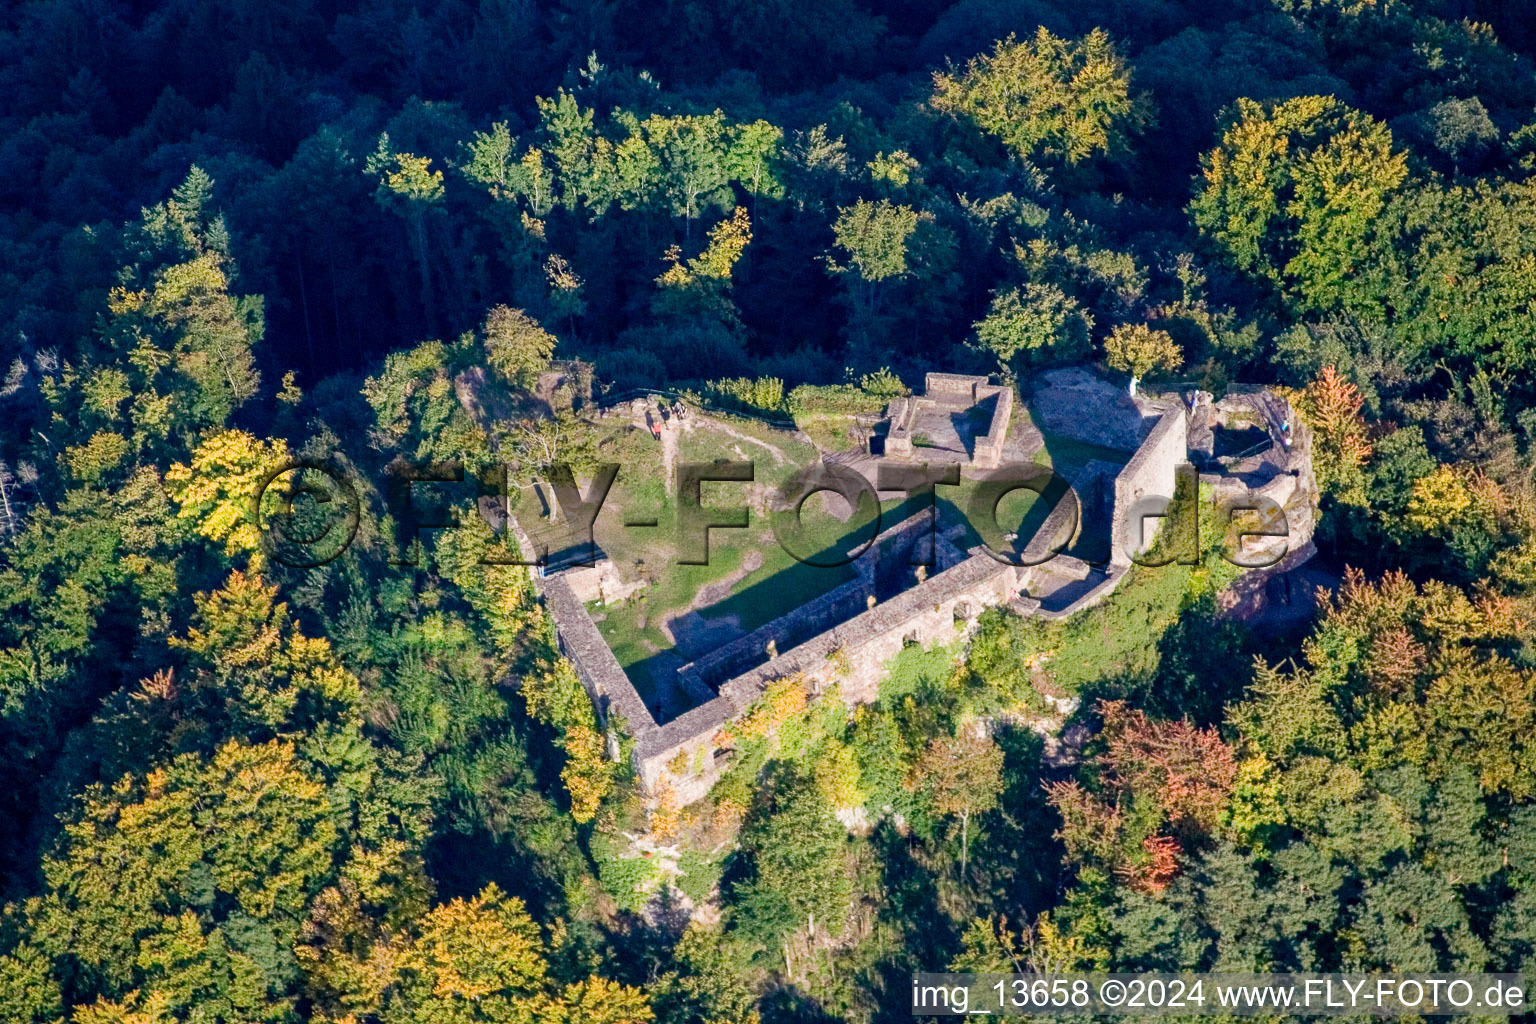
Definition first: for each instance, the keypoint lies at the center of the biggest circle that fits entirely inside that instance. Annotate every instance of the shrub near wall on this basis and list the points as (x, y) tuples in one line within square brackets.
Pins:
[(765, 394), (867, 397)]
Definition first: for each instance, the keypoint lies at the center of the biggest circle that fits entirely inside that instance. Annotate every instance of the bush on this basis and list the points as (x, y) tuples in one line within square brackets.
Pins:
[(833, 400), (762, 393), (629, 880)]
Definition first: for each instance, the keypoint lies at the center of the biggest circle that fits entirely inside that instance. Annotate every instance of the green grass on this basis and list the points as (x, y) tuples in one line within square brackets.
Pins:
[(781, 583), (1119, 637), (917, 670), (831, 432)]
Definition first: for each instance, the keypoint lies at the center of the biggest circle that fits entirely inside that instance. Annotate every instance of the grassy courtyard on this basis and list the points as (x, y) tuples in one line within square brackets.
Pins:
[(684, 611)]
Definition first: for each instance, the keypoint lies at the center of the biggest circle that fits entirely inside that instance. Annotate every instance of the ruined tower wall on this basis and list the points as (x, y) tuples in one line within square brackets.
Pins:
[(1150, 472)]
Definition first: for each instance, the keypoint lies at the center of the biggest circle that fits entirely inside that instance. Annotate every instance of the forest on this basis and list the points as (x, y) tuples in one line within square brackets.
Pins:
[(237, 233)]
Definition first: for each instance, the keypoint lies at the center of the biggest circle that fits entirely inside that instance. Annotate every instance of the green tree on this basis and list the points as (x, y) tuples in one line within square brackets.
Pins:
[(1138, 350), (1295, 193), (1036, 320), (875, 237), (695, 164), (707, 984), (961, 776), (1061, 99), (516, 346), (799, 862), (407, 183)]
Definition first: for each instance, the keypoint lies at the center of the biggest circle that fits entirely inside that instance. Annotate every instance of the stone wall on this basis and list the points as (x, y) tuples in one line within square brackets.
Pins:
[(600, 672), (851, 654), (786, 631), (952, 384), (942, 389), (837, 639), (937, 609), (902, 412), (1150, 472), (989, 449), (690, 736)]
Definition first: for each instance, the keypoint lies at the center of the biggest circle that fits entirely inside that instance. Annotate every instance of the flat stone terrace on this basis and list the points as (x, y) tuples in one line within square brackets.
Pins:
[(939, 415)]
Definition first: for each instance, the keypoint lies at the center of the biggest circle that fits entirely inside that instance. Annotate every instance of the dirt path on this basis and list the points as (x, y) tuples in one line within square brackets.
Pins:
[(777, 453), (669, 432)]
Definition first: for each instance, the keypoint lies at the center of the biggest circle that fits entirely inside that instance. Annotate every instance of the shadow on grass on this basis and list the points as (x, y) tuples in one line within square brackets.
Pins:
[(775, 595), (1202, 664)]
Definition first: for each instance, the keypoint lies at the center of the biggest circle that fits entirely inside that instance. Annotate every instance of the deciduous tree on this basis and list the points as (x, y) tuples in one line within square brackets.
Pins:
[(1061, 99)]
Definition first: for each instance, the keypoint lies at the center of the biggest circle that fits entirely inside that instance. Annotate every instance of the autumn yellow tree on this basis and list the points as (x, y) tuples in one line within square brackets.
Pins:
[(1439, 500), (246, 833), (588, 773), (477, 950), (516, 346), (594, 1001), (1138, 350), (252, 663), (1063, 99), (216, 492)]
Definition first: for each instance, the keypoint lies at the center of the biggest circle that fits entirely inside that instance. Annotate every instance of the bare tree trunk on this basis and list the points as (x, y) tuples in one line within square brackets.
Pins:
[(965, 824), (8, 525), (426, 272)]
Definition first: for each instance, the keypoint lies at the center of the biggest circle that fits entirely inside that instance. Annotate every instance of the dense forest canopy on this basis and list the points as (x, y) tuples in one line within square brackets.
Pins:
[(234, 234)]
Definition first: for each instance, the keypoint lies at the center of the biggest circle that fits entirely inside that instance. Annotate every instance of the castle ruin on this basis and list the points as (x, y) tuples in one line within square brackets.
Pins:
[(846, 636)]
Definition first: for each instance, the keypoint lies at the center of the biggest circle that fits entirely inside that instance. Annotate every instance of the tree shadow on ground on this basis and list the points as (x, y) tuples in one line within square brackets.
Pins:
[(1016, 863), (1203, 664)]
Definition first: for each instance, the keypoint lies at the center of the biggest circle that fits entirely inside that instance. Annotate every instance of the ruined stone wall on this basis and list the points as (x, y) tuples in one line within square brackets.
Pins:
[(836, 605), (599, 582), (837, 640), (690, 743), (583, 644), (850, 647), (953, 384), (895, 546), (851, 654), (989, 449), (1150, 472), (899, 439)]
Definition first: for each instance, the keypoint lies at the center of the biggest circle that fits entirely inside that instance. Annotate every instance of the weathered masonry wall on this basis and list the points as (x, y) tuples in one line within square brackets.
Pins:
[(600, 672), (1150, 472), (988, 453), (963, 384), (935, 610), (942, 388), (851, 654), (739, 655), (838, 639), (835, 639), (890, 551)]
